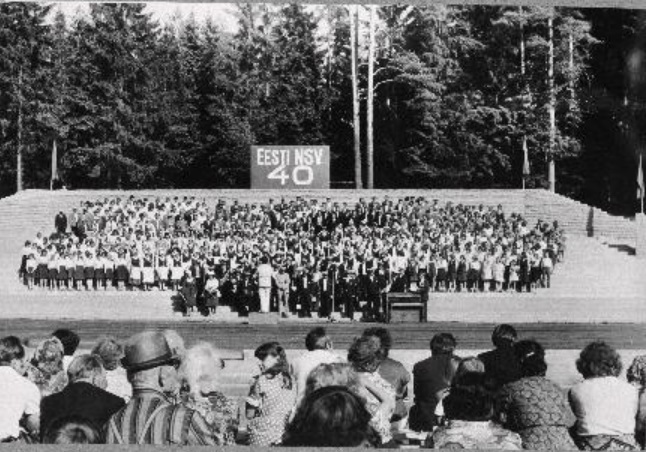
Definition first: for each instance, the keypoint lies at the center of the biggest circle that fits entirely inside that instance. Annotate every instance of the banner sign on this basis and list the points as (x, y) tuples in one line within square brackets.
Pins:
[(290, 167)]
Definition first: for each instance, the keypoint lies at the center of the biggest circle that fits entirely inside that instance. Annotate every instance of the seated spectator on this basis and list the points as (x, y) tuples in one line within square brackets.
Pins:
[(19, 397), (636, 373), (200, 370), (364, 356), (271, 398), (319, 351), (331, 416), (334, 374), (501, 365), (604, 405), (85, 395), (535, 407), (392, 371), (72, 430), (150, 417), (45, 369), (431, 379), (111, 352), (469, 409), (70, 341)]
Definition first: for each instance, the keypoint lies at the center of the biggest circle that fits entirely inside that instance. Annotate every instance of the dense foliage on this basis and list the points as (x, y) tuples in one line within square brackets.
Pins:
[(132, 103)]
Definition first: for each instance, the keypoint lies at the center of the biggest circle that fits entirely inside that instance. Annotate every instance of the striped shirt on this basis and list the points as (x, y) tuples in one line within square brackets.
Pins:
[(170, 424)]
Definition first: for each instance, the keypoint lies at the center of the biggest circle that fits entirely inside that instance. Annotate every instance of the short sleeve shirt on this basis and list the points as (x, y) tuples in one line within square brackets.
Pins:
[(18, 397)]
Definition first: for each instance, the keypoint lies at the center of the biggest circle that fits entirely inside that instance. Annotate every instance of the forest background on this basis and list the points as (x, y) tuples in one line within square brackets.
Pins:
[(458, 92)]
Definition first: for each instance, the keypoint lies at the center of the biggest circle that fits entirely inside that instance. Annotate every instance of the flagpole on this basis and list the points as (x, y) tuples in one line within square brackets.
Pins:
[(640, 183)]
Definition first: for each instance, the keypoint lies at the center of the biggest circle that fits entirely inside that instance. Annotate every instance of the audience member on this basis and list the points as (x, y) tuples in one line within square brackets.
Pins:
[(331, 416), (150, 417), (535, 407), (469, 409), (431, 379), (392, 371), (319, 351), (271, 398), (72, 430), (365, 356), (501, 365), (604, 405), (19, 397), (85, 395), (200, 372), (70, 341), (334, 374), (45, 369), (111, 352)]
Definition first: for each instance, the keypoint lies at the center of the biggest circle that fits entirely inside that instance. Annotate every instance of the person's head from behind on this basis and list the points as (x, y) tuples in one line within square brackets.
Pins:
[(150, 363), (110, 351), (469, 399), (72, 430), (201, 368), (12, 353), (332, 416), (317, 339), (443, 344), (504, 336), (87, 369), (69, 339), (384, 338), (333, 374), (365, 354), (273, 361), (531, 357), (48, 356), (598, 359)]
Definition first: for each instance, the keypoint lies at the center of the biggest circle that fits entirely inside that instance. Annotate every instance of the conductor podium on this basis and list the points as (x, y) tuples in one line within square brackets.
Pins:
[(405, 307)]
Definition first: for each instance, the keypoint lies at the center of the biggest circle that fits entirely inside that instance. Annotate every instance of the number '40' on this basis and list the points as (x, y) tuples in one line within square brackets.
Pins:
[(301, 175)]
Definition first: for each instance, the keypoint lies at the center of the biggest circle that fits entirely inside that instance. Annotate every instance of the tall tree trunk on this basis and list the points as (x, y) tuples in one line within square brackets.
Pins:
[(524, 87), (371, 99), (330, 58), (354, 45), (522, 44), (19, 135), (552, 103), (571, 69)]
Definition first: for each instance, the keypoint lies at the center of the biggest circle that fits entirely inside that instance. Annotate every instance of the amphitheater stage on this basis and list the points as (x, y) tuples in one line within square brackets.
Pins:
[(601, 280)]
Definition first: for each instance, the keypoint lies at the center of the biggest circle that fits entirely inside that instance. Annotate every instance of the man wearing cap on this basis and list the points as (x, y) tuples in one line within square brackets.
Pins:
[(150, 417)]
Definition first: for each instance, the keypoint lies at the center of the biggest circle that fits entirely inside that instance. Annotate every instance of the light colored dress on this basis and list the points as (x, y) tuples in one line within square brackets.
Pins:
[(380, 421), (274, 402)]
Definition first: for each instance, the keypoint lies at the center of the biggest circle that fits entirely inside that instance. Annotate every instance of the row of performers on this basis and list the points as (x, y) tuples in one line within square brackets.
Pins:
[(145, 272)]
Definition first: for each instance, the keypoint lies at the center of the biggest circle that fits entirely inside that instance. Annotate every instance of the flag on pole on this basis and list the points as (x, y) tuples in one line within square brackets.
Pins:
[(525, 158), (640, 180), (54, 166)]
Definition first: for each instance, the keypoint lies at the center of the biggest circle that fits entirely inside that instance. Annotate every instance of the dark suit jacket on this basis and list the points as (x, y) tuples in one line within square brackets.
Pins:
[(79, 399), (430, 377)]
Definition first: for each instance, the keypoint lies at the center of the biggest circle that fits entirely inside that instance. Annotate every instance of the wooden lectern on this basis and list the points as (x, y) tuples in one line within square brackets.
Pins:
[(405, 307)]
